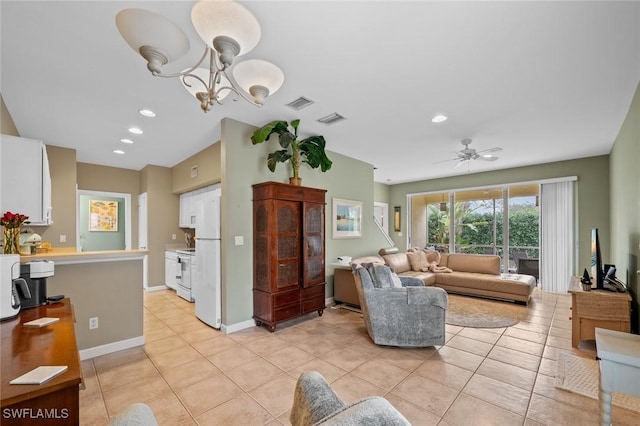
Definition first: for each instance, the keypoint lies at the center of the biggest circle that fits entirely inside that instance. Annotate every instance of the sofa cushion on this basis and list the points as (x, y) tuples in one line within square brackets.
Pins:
[(418, 261), (478, 263), (514, 284), (399, 262), (466, 279), (427, 278)]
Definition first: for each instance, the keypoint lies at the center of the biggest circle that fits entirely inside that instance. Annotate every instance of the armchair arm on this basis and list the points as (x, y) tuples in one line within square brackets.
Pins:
[(434, 296), (313, 400), (372, 411)]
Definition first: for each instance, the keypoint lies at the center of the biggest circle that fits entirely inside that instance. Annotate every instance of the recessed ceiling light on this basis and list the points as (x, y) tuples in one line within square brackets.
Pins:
[(125, 140), (135, 130), (439, 118), (147, 113), (118, 151)]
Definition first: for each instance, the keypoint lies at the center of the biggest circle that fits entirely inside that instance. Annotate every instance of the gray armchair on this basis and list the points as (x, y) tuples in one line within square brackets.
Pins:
[(400, 311), (315, 403), (136, 414)]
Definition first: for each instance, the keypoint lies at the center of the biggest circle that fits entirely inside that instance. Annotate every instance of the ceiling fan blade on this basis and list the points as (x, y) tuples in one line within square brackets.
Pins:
[(492, 158), (447, 160), (461, 162), (494, 149)]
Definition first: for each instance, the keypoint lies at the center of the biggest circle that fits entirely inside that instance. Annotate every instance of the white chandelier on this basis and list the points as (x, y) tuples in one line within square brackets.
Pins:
[(228, 30)]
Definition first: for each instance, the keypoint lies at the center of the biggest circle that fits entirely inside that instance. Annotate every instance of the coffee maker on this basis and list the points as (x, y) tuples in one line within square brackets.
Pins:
[(9, 282), (35, 275)]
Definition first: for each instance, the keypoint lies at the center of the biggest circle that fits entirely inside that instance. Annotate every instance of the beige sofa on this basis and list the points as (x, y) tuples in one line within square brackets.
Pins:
[(472, 274)]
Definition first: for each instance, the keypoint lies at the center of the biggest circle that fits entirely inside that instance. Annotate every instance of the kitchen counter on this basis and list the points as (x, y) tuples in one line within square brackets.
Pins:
[(102, 284), (69, 256)]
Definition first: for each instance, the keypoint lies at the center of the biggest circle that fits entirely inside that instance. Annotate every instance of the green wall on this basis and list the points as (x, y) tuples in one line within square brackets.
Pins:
[(101, 240), (592, 189), (243, 165), (625, 204)]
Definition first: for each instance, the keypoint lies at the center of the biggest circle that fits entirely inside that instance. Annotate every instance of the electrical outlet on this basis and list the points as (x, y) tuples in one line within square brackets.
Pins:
[(63, 238), (239, 240), (173, 236), (93, 323)]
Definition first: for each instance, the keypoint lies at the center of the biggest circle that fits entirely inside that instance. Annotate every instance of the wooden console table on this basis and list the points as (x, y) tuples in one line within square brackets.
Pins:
[(23, 349), (597, 308)]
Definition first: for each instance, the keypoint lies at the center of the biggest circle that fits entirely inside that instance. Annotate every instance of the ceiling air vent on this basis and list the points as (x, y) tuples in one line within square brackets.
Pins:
[(300, 103), (331, 119)]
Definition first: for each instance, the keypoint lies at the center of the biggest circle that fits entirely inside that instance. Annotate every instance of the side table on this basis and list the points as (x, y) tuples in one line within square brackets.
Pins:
[(597, 308), (344, 285), (619, 355)]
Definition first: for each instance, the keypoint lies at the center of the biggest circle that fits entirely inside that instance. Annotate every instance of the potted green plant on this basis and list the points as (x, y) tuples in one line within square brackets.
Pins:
[(309, 150)]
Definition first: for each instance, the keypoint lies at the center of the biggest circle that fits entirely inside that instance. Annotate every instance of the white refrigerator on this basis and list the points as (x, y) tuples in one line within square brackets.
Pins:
[(207, 279)]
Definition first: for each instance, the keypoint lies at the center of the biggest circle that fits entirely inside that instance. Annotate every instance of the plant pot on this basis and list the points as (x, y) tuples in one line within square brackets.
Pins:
[(295, 181)]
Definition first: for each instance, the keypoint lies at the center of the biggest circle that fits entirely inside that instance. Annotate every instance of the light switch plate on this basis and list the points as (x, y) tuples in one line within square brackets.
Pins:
[(239, 240)]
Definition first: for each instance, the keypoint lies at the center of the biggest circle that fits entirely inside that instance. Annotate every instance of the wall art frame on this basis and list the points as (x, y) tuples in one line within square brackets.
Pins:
[(347, 218)]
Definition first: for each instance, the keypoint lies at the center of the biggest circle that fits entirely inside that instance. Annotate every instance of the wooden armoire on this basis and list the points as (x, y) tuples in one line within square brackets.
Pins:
[(288, 252)]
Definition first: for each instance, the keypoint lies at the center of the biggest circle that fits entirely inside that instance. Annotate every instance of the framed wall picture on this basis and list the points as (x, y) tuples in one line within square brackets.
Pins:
[(103, 216), (347, 218)]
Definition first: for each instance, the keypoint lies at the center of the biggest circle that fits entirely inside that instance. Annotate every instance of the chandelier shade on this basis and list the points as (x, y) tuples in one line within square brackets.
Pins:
[(153, 36), (256, 73), (228, 30), (225, 18)]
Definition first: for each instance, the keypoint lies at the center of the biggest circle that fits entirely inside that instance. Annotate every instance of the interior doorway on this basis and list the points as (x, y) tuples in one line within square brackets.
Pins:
[(103, 221)]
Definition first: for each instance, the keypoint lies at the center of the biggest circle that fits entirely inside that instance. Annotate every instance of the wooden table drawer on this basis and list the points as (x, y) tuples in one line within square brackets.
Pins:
[(287, 312), (312, 292), (313, 304), (287, 298)]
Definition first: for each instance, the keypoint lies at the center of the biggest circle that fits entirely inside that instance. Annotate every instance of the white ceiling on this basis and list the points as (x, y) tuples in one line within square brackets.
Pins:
[(546, 81)]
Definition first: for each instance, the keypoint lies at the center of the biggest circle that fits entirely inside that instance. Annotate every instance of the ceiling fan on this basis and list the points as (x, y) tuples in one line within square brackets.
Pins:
[(467, 154)]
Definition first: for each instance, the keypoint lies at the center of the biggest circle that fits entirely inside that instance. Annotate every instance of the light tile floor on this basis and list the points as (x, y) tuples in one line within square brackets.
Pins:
[(192, 374)]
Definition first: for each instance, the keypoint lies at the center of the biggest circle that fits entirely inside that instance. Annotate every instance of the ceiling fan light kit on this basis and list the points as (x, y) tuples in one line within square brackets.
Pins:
[(228, 29)]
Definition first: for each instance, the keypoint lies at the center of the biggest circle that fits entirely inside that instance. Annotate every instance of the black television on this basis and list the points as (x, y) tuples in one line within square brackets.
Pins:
[(597, 273)]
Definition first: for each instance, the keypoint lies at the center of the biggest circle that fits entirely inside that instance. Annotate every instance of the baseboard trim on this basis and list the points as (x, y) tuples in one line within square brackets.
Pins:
[(157, 288), (111, 347), (227, 329), (237, 326)]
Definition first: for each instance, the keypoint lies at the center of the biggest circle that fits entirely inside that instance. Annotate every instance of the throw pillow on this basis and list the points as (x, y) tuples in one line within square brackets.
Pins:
[(415, 260), (433, 256), (380, 275)]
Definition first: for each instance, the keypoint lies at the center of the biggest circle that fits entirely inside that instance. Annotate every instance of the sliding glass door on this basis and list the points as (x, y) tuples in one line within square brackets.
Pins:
[(501, 221)]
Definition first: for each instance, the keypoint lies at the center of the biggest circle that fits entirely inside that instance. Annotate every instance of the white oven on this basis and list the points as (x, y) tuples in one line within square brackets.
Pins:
[(186, 259)]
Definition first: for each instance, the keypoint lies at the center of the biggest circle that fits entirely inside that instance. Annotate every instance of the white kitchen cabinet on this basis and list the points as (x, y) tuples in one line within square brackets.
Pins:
[(188, 206), (25, 180), (183, 221), (170, 268)]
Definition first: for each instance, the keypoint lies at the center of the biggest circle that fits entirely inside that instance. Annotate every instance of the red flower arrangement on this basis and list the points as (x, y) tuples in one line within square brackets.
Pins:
[(11, 234), (13, 220)]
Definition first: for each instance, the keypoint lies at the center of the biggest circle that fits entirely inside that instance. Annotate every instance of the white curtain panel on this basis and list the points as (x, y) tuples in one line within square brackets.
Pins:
[(557, 240)]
